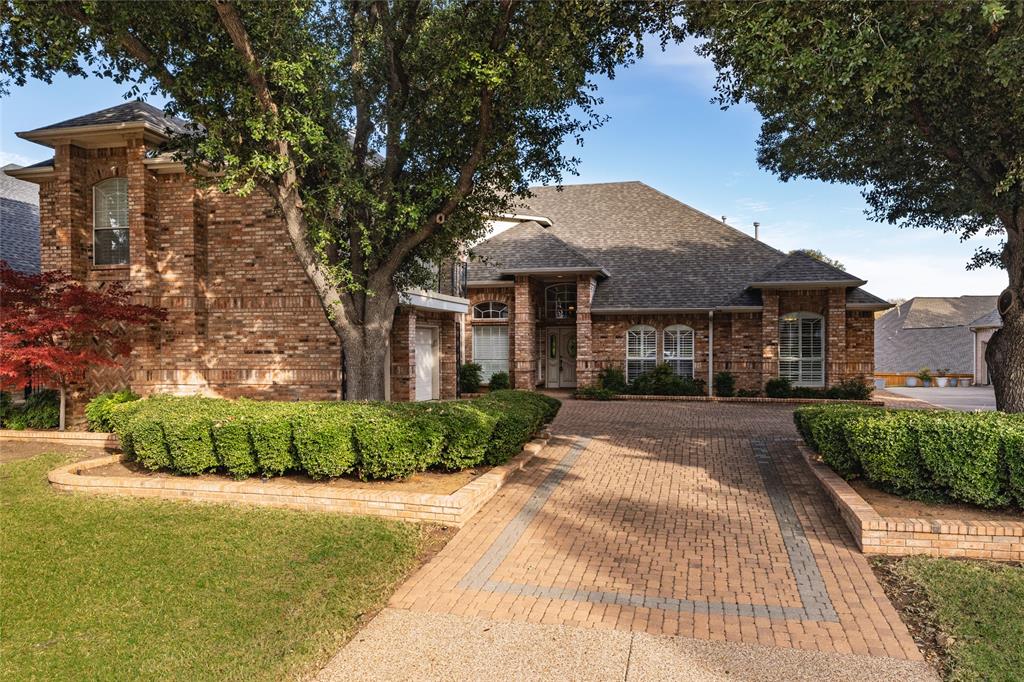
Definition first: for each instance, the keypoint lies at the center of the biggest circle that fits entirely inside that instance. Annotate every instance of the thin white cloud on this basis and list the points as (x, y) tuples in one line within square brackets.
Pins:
[(17, 159), (682, 60)]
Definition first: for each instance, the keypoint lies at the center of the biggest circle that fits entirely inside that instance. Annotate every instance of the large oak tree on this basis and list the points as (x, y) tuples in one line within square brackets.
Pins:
[(385, 131), (919, 103)]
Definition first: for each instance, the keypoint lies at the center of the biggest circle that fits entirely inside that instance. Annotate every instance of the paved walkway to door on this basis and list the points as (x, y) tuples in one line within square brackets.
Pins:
[(668, 518)]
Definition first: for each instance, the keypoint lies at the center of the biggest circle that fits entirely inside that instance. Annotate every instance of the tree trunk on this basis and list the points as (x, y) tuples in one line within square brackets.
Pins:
[(1005, 353), (63, 405), (367, 350)]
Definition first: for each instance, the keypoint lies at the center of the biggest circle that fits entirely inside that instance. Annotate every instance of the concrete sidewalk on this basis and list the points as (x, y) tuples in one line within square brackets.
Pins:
[(407, 645), (962, 398)]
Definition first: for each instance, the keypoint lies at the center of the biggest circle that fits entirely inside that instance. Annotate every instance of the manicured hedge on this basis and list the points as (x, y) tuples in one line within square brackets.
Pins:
[(976, 458), (193, 435)]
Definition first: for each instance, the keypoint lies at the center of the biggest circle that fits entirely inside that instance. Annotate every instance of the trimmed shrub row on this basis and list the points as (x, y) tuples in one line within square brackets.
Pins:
[(193, 435), (973, 457), (41, 410)]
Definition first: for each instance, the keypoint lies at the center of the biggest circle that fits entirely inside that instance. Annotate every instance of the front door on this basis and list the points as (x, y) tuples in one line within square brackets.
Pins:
[(426, 363), (561, 358)]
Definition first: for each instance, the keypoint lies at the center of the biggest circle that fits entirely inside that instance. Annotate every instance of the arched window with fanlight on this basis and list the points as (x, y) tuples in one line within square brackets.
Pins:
[(641, 350), (560, 302), (490, 310), (110, 222), (802, 349), (677, 349)]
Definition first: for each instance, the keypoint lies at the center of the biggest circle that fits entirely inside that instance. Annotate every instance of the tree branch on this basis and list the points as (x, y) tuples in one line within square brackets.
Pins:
[(232, 23)]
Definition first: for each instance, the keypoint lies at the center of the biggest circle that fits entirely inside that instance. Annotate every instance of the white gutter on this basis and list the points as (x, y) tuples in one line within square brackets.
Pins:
[(432, 300), (711, 352)]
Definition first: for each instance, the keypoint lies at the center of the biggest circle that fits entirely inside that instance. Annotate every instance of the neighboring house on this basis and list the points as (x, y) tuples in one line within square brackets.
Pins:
[(19, 221), (930, 332), (983, 328), (243, 319), (621, 275)]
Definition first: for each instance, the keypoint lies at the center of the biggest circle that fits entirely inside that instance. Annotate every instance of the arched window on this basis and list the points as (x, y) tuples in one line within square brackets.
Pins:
[(560, 302), (490, 310), (110, 222), (677, 342), (802, 349), (641, 351)]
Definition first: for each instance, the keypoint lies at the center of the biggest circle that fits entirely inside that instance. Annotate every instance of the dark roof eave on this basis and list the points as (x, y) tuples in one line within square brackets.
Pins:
[(869, 306), (554, 271), (648, 311), (803, 284), (490, 283)]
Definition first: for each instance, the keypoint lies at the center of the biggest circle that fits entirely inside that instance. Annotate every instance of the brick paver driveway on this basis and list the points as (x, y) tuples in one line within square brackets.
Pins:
[(690, 519)]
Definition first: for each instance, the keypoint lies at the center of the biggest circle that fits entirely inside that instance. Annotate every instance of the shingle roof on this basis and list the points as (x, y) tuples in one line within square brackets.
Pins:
[(526, 247), (799, 267), (658, 252), (129, 112), (929, 332), (859, 297), (19, 222), (992, 319)]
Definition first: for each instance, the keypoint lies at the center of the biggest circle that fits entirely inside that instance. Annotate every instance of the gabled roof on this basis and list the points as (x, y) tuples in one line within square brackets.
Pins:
[(929, 332), (129, 112), (865, 300), (659, 253), (526, 248), (992, 320), (798, 268)]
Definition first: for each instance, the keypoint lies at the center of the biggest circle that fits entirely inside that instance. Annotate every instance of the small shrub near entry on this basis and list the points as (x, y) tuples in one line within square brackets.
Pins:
[(725, 384), (662, 380), (595, 393), (470, 377), (499, 381), (612, 379), (99, 409)]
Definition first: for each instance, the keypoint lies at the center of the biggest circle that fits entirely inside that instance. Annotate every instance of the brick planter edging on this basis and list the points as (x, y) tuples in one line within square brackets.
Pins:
[(454, 509), (81, 438), (875, 534), (718, 399)]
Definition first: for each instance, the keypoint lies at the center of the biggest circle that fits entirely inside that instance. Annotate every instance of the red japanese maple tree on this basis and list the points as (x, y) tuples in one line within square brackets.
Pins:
[(53, 329)]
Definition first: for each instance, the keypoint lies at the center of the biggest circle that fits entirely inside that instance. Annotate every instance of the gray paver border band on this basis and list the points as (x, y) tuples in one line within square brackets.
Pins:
[(816, 604)]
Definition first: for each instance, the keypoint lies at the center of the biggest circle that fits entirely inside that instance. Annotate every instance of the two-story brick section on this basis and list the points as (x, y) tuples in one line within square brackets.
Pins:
[(587, 277), (242, 317), (621, 275)]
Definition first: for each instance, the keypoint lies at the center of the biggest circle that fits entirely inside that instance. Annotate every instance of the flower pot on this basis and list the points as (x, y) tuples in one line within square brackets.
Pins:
[(928, 383), (942, 382), (912, 381), (879, 383), (953, 382)]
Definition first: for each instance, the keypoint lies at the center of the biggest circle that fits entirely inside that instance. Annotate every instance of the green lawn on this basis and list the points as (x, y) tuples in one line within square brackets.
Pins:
[(979, 604), (96, 588)]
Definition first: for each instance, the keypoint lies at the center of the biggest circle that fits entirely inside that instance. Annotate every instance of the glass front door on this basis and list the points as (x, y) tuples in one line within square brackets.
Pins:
[(560, 358)]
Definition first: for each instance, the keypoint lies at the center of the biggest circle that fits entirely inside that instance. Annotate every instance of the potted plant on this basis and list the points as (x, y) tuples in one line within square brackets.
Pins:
[(942, 380), (911, 381), (954, 382), (925, 376)]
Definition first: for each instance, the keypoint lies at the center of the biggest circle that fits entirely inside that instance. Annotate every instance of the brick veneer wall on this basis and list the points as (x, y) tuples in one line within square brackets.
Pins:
[(524, 328), (242, 317)]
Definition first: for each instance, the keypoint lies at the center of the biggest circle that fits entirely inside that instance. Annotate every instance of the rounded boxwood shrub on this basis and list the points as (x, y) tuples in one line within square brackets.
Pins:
[(396, 441), (467, 431), (961, 450), (827, 428), (499, 381), (189, 445), (885, 445), (148, 445), (323, 439), (270, 432), (98, 410), (232, 447), (470, 377), (1013, 460)]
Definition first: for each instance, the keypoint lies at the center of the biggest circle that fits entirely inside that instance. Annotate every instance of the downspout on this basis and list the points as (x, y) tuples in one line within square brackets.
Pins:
[(711, 352)]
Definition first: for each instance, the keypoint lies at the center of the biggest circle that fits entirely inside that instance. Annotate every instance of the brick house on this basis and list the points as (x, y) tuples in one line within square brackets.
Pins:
[(621, 275), (242, 317)]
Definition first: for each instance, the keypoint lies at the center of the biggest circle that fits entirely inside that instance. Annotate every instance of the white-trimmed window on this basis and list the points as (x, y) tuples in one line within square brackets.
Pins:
[(641, 350), (802, 349), (677, 345), (560, 302), (490, 349), (110, 222), (490, 310)]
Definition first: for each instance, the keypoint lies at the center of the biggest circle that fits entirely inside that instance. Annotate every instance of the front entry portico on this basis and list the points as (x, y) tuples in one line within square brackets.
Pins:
[(560, 357)]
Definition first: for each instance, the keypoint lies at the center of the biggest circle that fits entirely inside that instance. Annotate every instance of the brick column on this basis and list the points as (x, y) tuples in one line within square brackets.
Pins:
[(769, 336), (524, 329), (835, 337), (137, 216), (585, 374), (403, 356)]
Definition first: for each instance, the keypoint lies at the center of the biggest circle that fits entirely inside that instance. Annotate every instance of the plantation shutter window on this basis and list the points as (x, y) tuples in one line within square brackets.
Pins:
[(490, 349), (641, 351), (678, 349), (802, 349), (110, 222)]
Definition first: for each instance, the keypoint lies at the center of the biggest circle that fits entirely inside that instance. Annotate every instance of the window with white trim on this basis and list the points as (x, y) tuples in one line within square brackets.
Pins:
[(802, 349), (560, 302), (677, 349), (110, 222), (641, 350), (490, 349), (490, 310)]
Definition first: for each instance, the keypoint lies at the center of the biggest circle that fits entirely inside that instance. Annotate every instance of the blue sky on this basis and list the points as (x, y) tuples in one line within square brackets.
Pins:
[(665, 132)]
